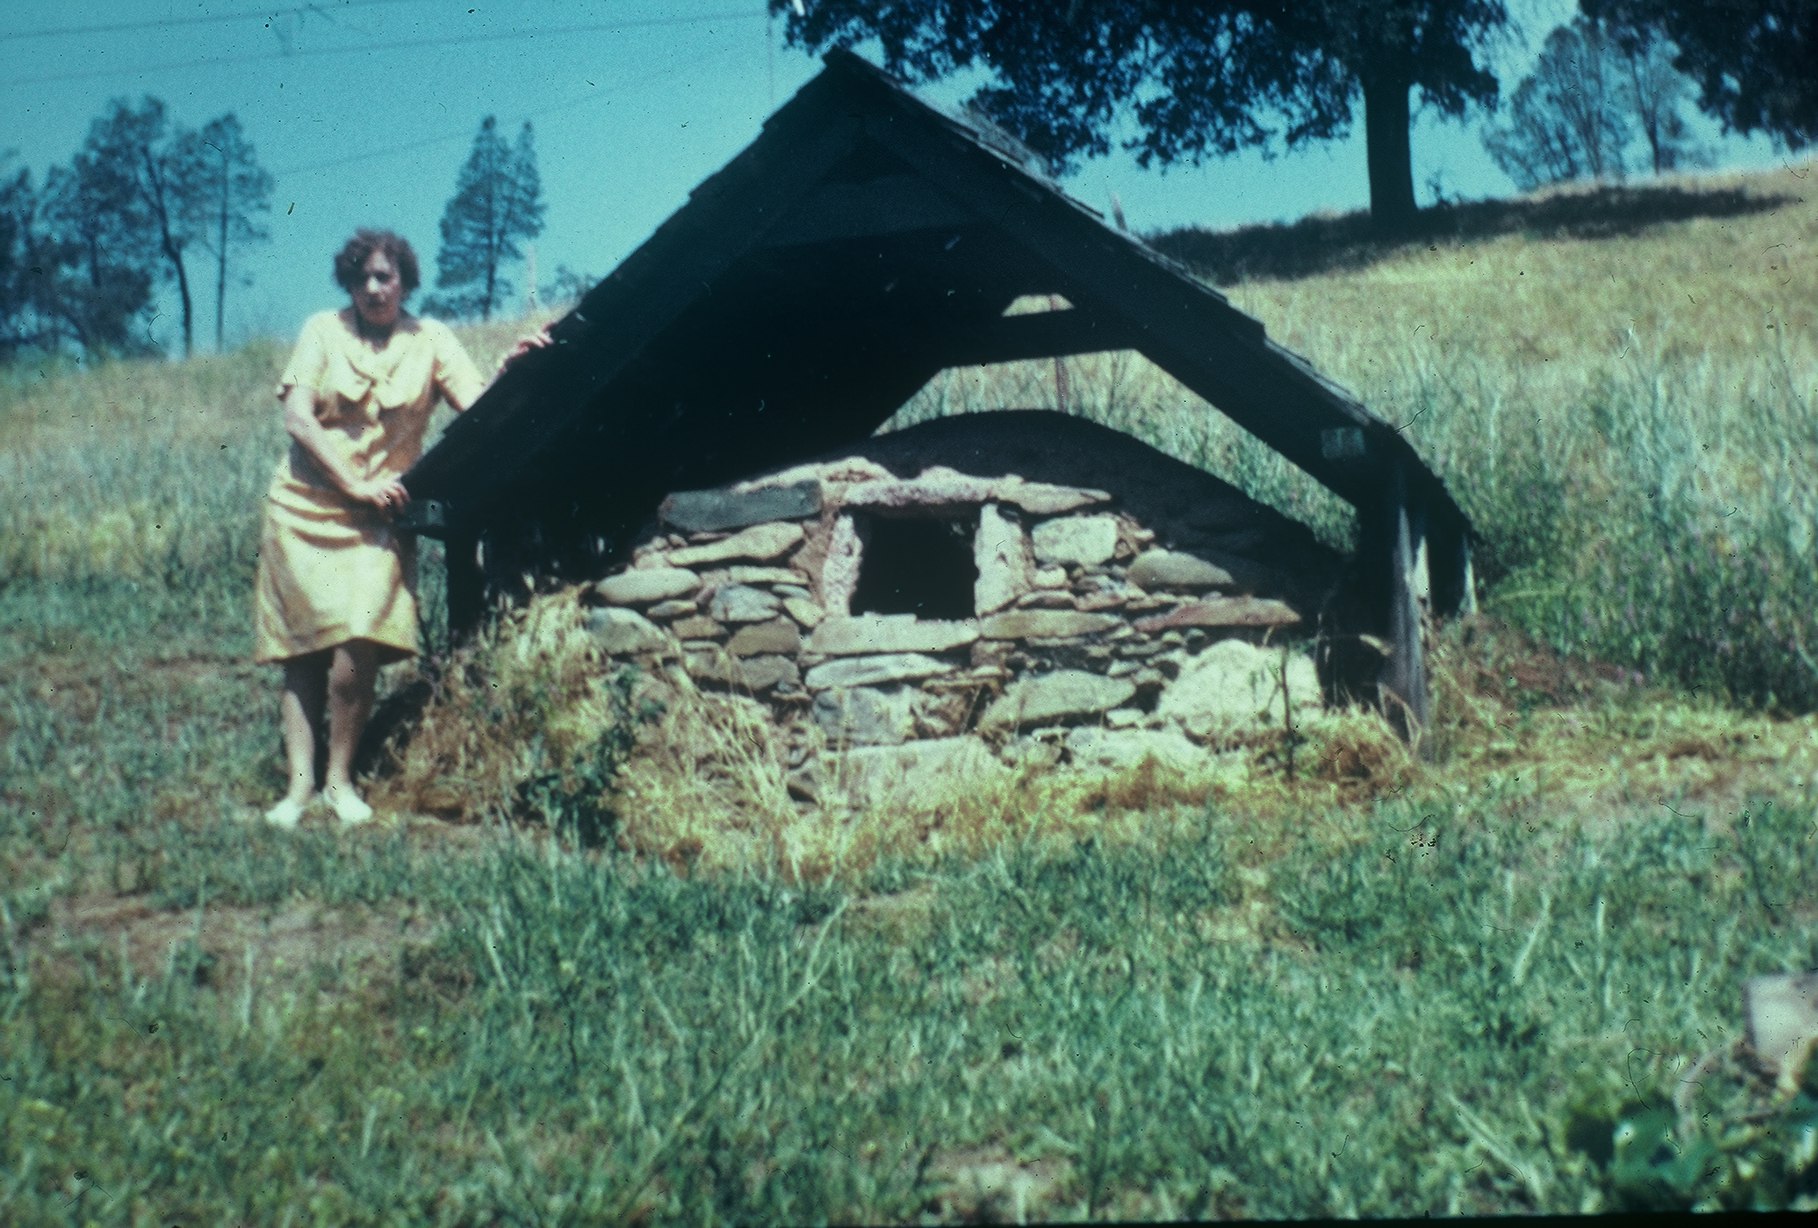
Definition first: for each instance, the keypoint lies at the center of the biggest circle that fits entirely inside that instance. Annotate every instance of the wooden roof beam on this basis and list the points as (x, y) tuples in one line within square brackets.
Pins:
[(521, 412), (877, 208)]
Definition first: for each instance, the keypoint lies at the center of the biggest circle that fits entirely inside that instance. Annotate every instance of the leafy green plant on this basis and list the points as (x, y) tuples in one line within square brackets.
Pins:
[(575, 798), (1653, 1157)]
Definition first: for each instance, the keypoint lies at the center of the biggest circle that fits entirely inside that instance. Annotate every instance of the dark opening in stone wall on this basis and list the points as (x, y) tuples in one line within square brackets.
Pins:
[(921, 566)]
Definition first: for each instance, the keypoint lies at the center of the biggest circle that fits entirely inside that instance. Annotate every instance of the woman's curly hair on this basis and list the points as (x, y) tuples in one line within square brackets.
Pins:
[(351, 259)]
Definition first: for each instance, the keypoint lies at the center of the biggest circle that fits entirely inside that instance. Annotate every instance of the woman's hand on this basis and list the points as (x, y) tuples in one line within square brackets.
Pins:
[(387, 494), (533, 341)]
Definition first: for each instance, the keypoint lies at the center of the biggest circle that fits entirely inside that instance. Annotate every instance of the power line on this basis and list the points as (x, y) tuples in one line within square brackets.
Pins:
[(116, 27), (567, 104), (455, 41)]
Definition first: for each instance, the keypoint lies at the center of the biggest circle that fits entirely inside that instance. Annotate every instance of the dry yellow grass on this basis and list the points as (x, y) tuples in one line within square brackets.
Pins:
[(705, 775), (144, 469)]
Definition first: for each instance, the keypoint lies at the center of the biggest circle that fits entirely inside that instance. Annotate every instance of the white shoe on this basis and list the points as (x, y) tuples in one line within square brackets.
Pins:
[(348, 807), (286, 814)]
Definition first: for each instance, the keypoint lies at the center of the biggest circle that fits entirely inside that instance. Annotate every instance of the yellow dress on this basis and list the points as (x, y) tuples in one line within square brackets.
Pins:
[(331, 570)]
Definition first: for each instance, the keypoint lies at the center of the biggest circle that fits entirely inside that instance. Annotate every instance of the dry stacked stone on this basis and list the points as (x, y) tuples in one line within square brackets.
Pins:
[(1087, 635)]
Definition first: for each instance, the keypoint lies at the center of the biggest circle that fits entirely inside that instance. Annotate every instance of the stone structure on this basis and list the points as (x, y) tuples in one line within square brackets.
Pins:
[(865, 242), (949, 614)]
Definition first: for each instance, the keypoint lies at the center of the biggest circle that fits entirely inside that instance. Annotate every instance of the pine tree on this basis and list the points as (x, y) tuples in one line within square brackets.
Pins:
[(21, 266), (498, 202), (231, 190)]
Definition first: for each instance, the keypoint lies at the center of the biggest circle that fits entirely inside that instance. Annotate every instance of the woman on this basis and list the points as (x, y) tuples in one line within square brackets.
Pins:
[(336, 590)]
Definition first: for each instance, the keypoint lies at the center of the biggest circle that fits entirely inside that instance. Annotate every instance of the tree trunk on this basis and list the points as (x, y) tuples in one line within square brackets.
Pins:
[(221, 266), (175, 255), (1387, 118), (173, 252)]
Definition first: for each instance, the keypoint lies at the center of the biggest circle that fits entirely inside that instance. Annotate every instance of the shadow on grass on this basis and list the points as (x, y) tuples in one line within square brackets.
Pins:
[(395, 718), (1327, 244)]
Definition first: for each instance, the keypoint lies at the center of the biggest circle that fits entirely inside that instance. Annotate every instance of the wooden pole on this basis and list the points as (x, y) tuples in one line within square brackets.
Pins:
[(1467, 577), (465, 585), (1454, 588), (1405, 673)]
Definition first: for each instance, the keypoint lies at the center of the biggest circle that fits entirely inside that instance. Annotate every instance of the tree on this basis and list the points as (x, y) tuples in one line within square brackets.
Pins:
[(1591, 93), (230, 191), (498, 202), (1656, 91), (1198, 79), (97, 259), (134, 161), (1752, 59), (568, 286), (1568, 119), (21, 267)]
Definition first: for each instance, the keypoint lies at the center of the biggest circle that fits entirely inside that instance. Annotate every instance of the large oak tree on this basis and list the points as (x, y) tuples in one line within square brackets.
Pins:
[(1181, 80)]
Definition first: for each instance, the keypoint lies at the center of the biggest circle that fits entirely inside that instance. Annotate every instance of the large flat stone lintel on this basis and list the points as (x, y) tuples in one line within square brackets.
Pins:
[(717, 511), (940, 487)]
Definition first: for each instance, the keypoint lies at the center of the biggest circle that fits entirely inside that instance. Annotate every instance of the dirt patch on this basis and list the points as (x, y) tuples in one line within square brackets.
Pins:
[(989, 1185), (1489, 660), (289, 946), (903, 913)]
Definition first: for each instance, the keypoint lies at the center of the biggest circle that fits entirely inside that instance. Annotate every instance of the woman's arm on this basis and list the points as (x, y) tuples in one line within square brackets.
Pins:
[(385, 493), (461, 382)]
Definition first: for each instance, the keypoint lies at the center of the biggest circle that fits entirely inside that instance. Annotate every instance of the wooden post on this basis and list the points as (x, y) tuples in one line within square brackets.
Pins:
[(1467, 577), (465, 585), (1454, 587), (1405, 673)]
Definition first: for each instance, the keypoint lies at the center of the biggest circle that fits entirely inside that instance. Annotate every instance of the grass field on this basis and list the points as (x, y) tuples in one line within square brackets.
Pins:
[(1506, 979)]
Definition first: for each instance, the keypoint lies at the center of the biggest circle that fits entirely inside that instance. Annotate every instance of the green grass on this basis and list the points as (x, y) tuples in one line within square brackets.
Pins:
[(1504, 981), (1376, 1023)]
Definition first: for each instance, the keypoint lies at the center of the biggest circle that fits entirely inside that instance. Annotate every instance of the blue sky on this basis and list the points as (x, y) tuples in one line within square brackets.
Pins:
[(365, 109)]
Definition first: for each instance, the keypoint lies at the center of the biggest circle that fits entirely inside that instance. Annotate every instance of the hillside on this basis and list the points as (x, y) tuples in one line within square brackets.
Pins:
[(1331, 979), (1607, 379)]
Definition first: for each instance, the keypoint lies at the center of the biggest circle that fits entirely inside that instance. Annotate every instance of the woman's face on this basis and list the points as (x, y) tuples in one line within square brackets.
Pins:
[(379, 292)]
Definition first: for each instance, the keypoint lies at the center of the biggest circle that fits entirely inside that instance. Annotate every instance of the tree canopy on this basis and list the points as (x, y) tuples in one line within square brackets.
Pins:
[(1755, 61), (21, 263), (1187, 80), (498, 202), (134, 162), (85, 271), (138, 196), (82, 252)]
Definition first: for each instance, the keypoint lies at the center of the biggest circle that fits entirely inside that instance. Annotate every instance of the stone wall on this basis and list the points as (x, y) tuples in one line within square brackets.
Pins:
[(1087, 639)]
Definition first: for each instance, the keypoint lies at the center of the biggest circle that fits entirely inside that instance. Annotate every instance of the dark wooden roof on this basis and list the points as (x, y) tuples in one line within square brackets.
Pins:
[(864, 242)]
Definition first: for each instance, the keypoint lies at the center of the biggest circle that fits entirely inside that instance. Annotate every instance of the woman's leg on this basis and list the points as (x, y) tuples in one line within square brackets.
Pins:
[(299, 713), (353, 673)]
